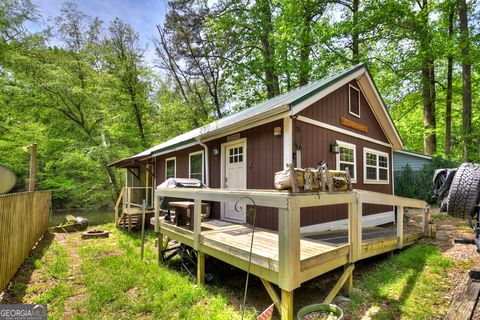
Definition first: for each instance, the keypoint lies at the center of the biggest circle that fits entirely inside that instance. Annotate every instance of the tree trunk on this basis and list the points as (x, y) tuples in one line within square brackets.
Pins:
[(467, 82), (305, 46), (429, 120), (268, 45), (355, 35), (428, 84), (448, 106)]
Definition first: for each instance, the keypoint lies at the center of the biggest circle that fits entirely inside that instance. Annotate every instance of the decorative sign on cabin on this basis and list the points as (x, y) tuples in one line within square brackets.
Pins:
[(353, 124), (232, 137)]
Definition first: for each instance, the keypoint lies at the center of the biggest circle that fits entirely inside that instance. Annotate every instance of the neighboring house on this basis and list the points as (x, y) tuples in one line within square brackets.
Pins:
[(340, 119), (415, 160)]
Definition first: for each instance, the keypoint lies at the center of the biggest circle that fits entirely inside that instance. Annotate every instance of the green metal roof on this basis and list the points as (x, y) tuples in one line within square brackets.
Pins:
[(290, 98)]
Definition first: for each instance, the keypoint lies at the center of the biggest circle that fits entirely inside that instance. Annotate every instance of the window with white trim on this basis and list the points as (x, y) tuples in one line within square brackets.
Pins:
[(170, 167), (196, 165), (354, 101), (376, 166), (346, 158)]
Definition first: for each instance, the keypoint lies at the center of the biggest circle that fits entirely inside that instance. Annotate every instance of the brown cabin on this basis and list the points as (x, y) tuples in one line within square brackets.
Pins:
[(340, 120)]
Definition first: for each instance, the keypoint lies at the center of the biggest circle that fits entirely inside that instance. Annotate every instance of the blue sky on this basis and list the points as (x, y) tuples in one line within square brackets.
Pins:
[(142, 15)]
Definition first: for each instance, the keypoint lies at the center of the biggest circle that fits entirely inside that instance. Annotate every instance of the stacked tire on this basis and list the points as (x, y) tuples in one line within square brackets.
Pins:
[(464, 191)]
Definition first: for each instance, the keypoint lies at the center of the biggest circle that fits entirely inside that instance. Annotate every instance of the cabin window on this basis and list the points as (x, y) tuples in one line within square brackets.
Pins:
[(376, 166), (346, 158), (196, 165), (170, 167), (354, 101)]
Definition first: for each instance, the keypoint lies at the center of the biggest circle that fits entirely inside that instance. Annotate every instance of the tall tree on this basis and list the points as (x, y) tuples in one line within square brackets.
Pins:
[(467, 81), (190, 57), (127, 67), (451, 9)]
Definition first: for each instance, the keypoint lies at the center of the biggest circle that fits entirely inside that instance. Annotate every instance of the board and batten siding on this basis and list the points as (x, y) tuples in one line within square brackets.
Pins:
[(264, 158), (315, 141), (400, 160), (181, 162), (331, 108)]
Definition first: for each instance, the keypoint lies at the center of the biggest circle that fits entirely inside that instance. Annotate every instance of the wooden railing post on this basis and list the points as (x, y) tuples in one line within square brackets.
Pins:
[(157, 212), (197, 223), (355, 230), (400, 213), (289, 247)]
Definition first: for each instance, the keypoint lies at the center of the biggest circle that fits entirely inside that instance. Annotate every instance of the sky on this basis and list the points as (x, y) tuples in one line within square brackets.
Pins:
[(142, 15)]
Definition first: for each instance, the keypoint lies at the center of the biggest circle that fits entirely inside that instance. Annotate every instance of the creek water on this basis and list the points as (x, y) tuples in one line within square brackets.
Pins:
[(94, 216)]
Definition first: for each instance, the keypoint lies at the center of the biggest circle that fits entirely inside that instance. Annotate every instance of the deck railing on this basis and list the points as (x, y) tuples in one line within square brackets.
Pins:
[(132, 197), (289, 205), (24, 220), (289, 271)]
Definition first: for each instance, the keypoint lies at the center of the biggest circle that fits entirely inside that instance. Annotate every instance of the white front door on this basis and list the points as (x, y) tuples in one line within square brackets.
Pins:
[(234, 177)]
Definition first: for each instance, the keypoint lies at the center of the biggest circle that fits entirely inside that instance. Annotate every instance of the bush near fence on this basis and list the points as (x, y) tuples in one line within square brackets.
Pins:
[(23, 222), (419, 184)]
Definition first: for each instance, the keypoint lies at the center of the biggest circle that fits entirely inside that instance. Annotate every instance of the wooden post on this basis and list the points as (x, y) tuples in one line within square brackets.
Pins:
[(355, 230), (33, 166), (200, 268), (157, 213), (197, 224), (400, 213), (289, 247), (129, 209), (286, 305), (348, 286), (160, 247)]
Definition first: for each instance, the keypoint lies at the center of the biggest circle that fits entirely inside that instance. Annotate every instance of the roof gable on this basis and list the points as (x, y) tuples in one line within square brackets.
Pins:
[(289, 103)]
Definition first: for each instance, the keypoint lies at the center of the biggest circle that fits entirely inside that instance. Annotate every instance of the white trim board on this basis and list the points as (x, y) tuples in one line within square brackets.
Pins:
[(341, 130), (371, 220)]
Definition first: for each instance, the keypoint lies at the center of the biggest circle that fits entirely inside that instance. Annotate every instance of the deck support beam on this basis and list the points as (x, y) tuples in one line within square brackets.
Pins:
[(160, 247), (347, 273), (286, 303), (348, 286), (200, 268), (273, 294)]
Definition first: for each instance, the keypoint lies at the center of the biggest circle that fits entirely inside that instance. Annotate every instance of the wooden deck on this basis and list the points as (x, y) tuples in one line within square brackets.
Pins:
[(327, 249), (285, 257)]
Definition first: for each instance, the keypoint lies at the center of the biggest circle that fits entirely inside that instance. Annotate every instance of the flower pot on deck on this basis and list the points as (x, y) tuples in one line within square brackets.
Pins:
[(320, 311)]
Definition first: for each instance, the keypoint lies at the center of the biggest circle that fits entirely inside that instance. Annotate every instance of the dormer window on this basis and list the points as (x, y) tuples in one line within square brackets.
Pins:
[(354, 101)]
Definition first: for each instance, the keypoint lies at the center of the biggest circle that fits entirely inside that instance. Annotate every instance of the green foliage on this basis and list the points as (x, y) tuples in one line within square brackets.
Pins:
[(419, 184), (92, 99), (410, 285)]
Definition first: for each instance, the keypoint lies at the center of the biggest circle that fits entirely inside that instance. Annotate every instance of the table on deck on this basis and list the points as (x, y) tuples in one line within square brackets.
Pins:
[(183, 209)]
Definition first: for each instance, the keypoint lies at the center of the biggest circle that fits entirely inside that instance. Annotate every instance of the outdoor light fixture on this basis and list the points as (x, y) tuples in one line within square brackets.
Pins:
[(334, 148), (277, 131), (216, 151)]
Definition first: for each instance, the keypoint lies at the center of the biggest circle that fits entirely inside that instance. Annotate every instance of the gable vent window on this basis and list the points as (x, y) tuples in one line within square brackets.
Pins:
[(354, 101)]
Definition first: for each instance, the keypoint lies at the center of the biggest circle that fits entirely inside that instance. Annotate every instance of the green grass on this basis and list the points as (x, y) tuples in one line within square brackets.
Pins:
[(53, 270), (410, 285), (121, 286)]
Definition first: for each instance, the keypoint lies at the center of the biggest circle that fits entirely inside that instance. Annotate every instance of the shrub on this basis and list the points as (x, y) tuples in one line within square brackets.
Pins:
[(419, 184)]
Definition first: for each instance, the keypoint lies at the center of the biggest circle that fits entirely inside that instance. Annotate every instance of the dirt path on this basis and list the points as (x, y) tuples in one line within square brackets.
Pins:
[(70, 243)]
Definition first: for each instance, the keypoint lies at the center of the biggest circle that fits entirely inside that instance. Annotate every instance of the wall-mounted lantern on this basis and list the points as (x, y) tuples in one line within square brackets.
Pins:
[(277, 131), (334, 148), (216, 151)]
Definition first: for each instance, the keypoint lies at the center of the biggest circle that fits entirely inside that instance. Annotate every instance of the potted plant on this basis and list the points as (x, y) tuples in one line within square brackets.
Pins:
[(320, 311)]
